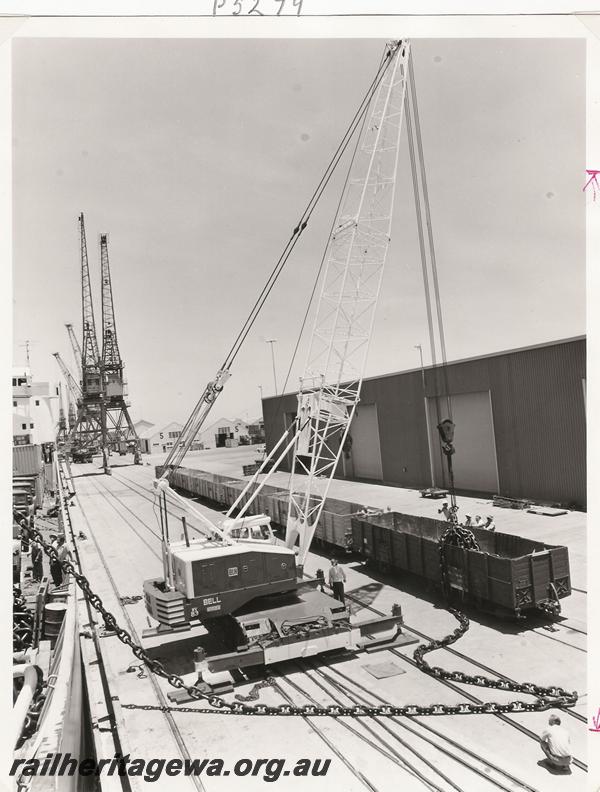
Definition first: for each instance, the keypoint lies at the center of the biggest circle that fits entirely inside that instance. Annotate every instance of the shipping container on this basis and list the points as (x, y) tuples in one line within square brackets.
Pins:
[(27, 459), (37, 486)]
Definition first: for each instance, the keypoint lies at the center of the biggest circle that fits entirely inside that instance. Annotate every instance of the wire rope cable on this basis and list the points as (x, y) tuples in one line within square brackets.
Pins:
[(303, 221)]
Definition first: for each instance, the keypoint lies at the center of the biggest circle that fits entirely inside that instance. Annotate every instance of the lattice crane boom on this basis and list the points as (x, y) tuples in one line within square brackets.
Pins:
[(72, 385), (343, 324), (90, 357), (111, 357), (194, 423), (355, 257), (76, 349)]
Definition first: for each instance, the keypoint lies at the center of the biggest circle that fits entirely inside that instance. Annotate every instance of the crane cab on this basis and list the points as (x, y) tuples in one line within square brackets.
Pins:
[(212, 579), (256, 528)]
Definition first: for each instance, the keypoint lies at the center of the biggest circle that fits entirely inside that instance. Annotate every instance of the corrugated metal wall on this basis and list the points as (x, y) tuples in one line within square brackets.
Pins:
[(538, 414), (27, 459)]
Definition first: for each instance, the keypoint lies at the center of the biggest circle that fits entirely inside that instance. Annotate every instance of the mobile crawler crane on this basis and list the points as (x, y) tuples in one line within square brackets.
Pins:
[(237, 581)]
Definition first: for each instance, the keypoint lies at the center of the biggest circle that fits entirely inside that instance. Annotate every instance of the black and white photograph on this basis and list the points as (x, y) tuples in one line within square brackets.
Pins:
[(299, 475)]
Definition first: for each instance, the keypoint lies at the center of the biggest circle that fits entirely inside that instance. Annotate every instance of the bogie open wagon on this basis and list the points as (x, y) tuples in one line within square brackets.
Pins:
[(509, 575)]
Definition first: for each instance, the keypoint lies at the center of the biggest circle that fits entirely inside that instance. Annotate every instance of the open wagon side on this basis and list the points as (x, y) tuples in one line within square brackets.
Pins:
[(509, 575)]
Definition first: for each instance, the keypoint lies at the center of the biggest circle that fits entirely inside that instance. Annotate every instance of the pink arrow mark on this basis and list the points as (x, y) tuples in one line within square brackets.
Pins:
[(593, 180)]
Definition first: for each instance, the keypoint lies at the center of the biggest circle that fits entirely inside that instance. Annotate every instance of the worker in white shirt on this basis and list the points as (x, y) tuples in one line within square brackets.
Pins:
[(337, 578), (490, 524), (556, 744)]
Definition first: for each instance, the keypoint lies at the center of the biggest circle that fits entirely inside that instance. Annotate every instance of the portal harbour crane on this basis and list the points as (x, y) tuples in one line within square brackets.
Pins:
[(118, 431), (86, 434), (62, 428), (103, 420)]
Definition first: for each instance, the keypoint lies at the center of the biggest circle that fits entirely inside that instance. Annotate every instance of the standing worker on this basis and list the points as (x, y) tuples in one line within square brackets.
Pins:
[(445, 511), (556, 744), (337, 578), (37, 567), (62, 551)]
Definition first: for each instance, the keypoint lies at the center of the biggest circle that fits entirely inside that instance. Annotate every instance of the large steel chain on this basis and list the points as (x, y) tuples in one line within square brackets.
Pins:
[(547, 697), (22, 640), (22, 622)]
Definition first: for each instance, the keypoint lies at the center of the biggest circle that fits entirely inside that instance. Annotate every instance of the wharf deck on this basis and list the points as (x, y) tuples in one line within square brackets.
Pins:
[(122, 549)]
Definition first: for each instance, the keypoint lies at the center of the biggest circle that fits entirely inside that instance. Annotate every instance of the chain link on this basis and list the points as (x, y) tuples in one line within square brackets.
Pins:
[(22, 622), (546, 697), (254, 693)]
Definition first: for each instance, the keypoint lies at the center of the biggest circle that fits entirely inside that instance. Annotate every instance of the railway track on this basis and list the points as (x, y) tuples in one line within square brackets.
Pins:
[(483, 771), (140, 489), (109, 496), (143, 492), (456, 652), (105, 492), (160, 697), (381, 746)]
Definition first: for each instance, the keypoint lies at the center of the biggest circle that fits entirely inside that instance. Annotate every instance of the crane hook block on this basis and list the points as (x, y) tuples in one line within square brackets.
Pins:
[(446, 430), (222, 376)]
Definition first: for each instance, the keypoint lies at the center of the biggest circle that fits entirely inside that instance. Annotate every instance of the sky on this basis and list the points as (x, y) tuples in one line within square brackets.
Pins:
[(197, 157)]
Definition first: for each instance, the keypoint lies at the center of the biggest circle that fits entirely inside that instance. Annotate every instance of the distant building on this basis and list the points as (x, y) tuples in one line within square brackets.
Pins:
[(160, 440), (35, 409), (226, 432), (256, 431), (141, 427)]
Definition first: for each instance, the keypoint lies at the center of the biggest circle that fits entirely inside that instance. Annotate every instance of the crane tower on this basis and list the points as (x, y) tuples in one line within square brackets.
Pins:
[(87, 431), (343, 324), (117, 427), (102, 420), (61, 436)]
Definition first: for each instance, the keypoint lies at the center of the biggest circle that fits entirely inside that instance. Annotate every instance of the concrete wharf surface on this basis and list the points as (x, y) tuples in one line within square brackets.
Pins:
[(122, 549)]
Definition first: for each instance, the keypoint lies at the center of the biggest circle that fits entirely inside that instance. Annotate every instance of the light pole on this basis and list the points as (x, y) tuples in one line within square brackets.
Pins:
[(429, 439), (273, 341), (420, 348)]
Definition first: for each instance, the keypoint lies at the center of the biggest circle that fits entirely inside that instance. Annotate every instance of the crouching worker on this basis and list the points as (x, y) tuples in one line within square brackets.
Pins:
[(556, 744)]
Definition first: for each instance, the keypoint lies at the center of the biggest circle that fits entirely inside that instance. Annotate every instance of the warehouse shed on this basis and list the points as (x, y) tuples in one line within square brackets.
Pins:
[(519, 415)]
